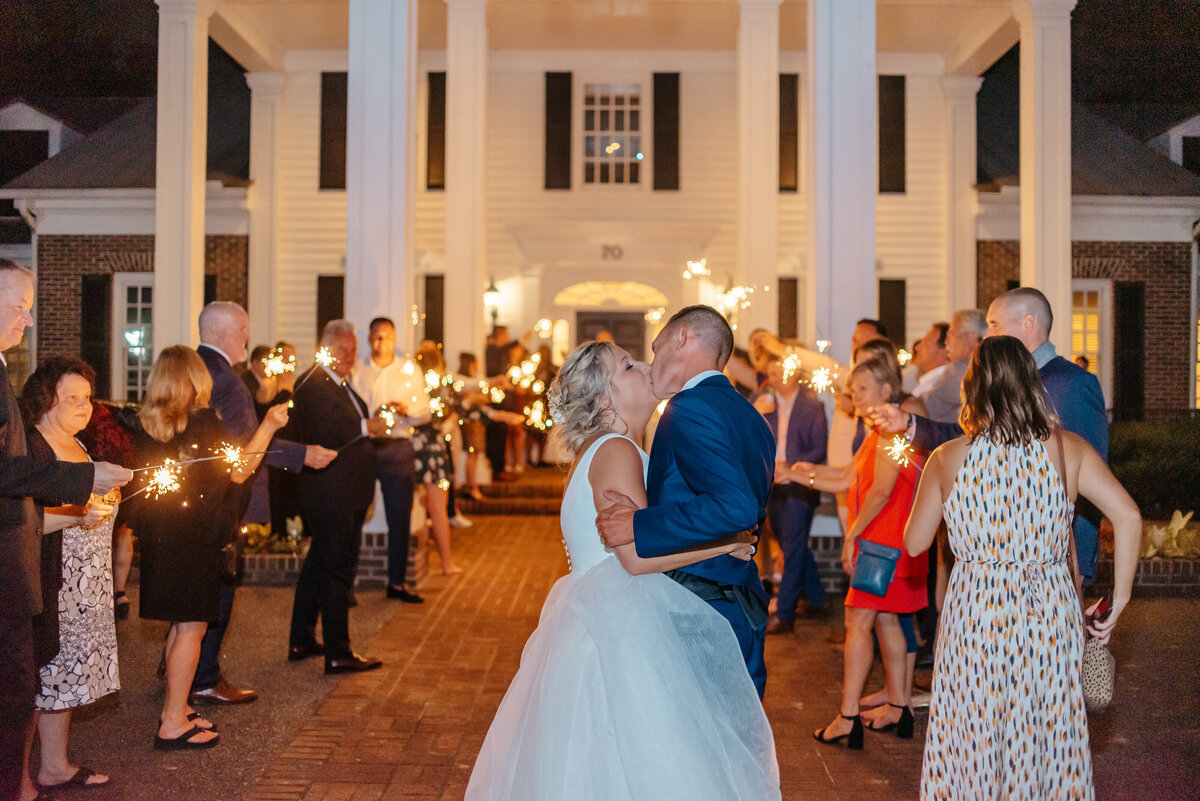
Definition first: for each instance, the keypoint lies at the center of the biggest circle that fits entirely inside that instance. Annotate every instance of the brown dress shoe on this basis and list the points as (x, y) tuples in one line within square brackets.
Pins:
[(351, 664), (777, 626), (222, 693)]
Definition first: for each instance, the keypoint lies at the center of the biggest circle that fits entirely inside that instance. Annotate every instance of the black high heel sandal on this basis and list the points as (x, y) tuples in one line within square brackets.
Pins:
[(120, 606), (854, 737), (903, 726)]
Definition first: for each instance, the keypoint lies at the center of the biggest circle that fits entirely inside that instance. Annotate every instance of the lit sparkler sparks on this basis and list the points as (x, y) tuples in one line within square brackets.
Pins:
[(231, 455), (496, 394), (791, 366), (432, 380), (901, 450), (275, 363), (163, 480), (537, 417), (822, 380), (388, 415), (822, 345), (904, 357), (324, 357), (543, 327)]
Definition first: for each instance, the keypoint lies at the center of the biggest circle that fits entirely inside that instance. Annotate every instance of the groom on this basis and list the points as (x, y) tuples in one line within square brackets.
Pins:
[(710, 473)]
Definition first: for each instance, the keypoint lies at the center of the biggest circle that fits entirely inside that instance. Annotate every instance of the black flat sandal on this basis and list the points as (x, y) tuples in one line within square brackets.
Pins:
[(120, 606), (184, 742), (854, 737)]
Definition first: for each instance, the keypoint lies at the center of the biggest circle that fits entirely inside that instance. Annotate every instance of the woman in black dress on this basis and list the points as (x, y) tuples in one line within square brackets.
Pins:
[(182, 533)]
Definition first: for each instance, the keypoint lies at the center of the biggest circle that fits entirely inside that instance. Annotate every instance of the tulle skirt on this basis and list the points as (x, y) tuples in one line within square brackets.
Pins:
[(630, 688)]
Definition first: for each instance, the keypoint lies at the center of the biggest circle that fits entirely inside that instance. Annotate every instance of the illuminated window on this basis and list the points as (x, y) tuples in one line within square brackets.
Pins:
[(612, 133), (1091, 329)]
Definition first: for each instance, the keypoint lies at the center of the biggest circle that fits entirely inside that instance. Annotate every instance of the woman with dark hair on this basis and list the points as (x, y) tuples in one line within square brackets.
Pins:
[(880, 492), (75, 637), (181, 534), (1007, 715)]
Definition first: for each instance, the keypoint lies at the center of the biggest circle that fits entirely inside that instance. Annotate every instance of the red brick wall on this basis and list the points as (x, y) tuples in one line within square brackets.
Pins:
[(1164, 268), (62, 260)]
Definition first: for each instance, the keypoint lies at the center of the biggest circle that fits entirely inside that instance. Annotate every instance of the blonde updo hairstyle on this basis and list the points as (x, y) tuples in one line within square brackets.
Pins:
[(585, 378)]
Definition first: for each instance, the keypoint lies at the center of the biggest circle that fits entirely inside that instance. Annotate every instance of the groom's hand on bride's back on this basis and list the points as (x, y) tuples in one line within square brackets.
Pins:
[(615, 522)]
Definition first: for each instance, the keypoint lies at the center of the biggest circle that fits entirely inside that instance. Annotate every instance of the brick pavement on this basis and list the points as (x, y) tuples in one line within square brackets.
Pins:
[(410, 732)]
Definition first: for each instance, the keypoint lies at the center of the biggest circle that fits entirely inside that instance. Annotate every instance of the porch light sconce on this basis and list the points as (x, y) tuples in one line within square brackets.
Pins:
[(491, 300)]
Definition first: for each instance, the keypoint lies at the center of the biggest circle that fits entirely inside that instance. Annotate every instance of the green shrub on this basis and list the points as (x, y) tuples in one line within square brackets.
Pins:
[(1159, 465)]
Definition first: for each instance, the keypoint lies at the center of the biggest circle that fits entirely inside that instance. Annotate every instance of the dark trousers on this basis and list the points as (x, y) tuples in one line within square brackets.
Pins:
[(208, 669), (496, 438), (327, 576), (394, 462), (750, 641), (18, 685), (791, 517)]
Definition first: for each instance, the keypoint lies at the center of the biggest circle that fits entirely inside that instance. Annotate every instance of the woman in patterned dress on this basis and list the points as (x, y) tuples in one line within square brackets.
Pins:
[(1007, 719), (432, 468), (76, 629), (880, 493)]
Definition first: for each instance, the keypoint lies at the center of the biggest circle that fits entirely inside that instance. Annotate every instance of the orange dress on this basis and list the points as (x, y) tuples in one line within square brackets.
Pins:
[(907, 592)]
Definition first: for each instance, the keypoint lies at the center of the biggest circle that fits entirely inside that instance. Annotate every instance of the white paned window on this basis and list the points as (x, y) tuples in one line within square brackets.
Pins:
[(1091, 330), (612, 133), (132, 345)]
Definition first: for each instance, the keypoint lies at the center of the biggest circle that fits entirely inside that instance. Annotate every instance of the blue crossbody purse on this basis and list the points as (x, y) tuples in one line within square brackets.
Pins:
[(875, 567)]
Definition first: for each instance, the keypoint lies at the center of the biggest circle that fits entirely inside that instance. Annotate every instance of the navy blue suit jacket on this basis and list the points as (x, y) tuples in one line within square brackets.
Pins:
[(710, 473), (807, 434)]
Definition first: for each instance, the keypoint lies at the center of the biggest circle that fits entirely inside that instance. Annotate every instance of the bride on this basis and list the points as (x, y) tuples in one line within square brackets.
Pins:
[(631, 687)]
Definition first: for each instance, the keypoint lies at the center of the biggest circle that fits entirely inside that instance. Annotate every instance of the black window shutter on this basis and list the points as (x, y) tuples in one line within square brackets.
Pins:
[(435, 133), (789, 296), (789, 132), (558, 130), (435, 304), (333, 130), (95, 321), (1129, 350), (893, 309), (666, 130), (891, 133), (331, 300)]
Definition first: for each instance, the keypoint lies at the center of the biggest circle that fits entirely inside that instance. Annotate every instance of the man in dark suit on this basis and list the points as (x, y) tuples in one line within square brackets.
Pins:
[(710, 473), (334, 501), (796, 418), (1025, 313), (21, 479), (224, 334)]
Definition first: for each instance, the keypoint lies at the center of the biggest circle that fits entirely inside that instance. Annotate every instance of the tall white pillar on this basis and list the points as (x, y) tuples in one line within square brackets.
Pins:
[(758, 161), (380, 171), (842, 122), (466, 184), (1046, 156), (180, 170), (961, 201), (266, 93)]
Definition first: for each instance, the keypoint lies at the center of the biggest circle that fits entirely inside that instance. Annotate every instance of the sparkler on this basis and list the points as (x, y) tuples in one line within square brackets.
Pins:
[(904, 357), (791, 366), (822, 380), (275, 364), (164, 479), (822, 345), (901, 451), (536, 416), (323, 358)]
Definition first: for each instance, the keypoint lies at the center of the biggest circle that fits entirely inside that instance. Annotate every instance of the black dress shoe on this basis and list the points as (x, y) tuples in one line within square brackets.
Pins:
[(351, 664), (305, 650), (402, 594), (351, 598)]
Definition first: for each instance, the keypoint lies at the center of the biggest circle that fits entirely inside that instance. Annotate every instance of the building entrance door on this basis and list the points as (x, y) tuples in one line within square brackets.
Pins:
[(628, 329)]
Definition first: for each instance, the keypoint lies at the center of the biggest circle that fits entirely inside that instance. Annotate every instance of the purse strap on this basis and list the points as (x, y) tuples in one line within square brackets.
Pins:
[(1072, 556)]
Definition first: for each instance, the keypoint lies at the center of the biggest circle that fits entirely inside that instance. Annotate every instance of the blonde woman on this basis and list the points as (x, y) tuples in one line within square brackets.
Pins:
[(181, 533)]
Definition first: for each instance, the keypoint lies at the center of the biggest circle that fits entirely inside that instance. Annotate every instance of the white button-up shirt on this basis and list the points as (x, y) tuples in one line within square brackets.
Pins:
[(399, 382)]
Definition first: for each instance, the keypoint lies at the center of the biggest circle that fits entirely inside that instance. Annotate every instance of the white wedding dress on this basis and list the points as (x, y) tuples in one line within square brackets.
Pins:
[(630, 688)]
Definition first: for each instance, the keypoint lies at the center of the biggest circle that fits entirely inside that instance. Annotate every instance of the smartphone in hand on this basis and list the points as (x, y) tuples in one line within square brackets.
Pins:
[(1103, 609)]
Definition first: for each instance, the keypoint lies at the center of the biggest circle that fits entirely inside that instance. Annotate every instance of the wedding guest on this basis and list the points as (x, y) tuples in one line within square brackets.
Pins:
[(474, 427), (76, 628), (1074, 394), (283, 486), (384, 379), (880, 493), (944, 398), (181, 534), (334, 502), (21, 479), (1083, 362), (929, 358), (797, 422), (432, 467), (224, 329), (1007, 716)]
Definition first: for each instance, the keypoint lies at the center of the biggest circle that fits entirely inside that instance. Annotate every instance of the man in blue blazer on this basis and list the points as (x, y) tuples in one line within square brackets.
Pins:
[(797, 421), (1075, 393), (711, 469), (224, 335)]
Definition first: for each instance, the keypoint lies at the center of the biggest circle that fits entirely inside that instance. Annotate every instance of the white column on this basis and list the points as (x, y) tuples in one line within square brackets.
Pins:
[(180, 170), (1046, 156), (266, 92), (380, 171), (842, 122), (961, 201), (758, 161), (466, 184)]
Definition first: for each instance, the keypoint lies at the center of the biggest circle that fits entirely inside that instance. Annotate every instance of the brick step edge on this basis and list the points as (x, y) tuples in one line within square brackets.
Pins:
[(510, 506)]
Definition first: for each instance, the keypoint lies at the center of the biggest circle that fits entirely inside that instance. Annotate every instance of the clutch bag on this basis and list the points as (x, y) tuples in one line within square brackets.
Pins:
[(875, 567)]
